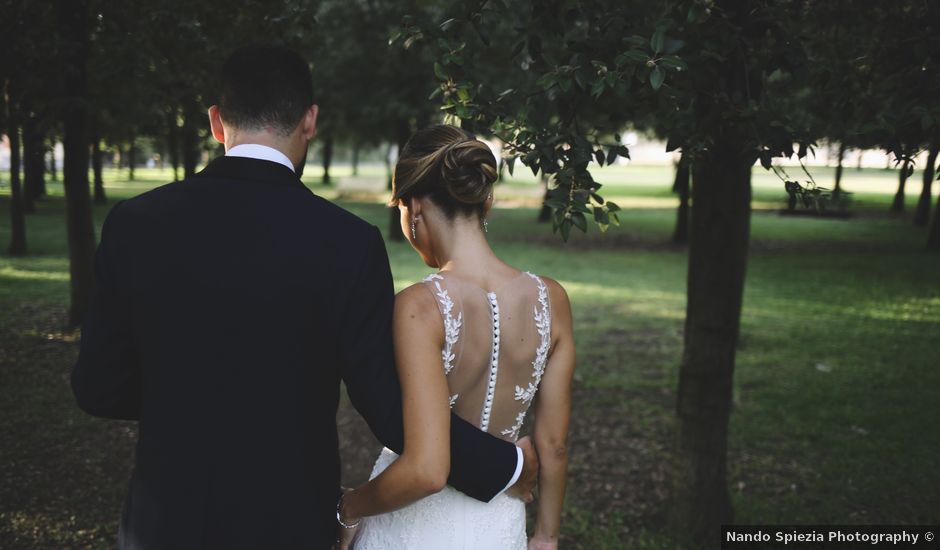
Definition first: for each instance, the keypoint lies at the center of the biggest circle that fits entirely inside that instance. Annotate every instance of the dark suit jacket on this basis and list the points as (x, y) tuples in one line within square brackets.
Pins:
[(228, 307)]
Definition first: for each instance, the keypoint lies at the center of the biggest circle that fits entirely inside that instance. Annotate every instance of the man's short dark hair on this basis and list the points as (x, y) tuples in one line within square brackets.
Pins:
[(265, 86)]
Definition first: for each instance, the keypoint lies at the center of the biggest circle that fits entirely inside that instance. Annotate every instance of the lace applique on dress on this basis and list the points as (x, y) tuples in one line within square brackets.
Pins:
[(451, 324), (543, 324)]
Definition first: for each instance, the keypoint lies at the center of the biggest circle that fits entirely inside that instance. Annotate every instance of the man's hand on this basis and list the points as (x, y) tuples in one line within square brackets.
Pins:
[(524, 486)]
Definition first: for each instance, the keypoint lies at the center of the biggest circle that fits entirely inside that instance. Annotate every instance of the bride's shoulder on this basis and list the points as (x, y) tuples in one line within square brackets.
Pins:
[(554, 288), (556, 294), (417, 302)]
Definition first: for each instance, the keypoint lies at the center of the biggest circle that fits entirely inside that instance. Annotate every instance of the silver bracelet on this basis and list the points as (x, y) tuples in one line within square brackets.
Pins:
[(339, 518)]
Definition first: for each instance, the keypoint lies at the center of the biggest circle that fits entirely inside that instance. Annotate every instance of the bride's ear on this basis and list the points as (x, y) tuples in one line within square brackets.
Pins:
[(415, 207), (487, 205)]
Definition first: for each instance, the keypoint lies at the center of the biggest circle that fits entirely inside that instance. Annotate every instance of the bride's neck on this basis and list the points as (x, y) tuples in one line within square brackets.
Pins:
[(463, 247)]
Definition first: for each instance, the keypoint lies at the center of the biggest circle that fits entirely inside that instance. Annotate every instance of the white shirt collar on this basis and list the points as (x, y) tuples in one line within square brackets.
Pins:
[(261, 152)]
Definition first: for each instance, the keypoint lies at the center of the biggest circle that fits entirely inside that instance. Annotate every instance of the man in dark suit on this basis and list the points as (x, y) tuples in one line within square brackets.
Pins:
[(228, 308)]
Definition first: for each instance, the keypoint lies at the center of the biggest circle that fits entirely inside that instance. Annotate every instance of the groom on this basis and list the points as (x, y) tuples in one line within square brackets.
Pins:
[(228, 308)]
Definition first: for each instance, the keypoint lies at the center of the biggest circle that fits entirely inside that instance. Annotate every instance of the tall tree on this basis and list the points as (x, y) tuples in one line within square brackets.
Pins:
[(922, 213), (17, 210), (72, 18), (96, 161), (897, 205), (682, 186)]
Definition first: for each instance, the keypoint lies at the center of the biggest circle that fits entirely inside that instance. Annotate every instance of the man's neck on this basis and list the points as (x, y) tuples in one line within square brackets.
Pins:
[(260, 152)]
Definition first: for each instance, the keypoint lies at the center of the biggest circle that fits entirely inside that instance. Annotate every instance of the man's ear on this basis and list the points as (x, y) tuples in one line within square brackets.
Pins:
[(310, 122), (215, 123)]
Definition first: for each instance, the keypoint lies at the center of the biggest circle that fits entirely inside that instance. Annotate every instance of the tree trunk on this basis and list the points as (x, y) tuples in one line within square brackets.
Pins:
[(545, 212), (190, 142), (131, 159), (922, 213), (72, 17), (17, 212), (355, 159), (53, 169), (327, 158), (858, 164), (28, 196), (32, 163), (933, 237), (720, 219), (898, 204), (100, 197), (838, 186), (681, 186), (172, 143)]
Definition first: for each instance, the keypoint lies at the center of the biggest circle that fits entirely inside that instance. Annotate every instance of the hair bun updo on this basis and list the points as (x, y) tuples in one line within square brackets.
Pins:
[(468, 169), (449, 165)]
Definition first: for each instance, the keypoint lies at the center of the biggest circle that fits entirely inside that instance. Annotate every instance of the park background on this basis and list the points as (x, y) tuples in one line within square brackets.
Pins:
[(832, 407)]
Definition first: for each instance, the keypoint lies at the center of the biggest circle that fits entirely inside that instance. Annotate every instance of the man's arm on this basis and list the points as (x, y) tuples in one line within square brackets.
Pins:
[(106, 378), (481, 465)]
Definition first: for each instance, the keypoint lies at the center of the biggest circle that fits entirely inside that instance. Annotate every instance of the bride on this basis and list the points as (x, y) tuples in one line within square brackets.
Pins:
[(478, 336)]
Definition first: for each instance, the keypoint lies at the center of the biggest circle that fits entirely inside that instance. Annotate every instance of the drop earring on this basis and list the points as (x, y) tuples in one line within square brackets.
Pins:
[(486, 226), (414, 233)]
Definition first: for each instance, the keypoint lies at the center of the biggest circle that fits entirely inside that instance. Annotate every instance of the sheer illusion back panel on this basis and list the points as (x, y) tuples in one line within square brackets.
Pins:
[(496, 346)]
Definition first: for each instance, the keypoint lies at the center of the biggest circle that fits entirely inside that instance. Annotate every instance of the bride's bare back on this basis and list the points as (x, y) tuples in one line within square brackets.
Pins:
[(496, 346)]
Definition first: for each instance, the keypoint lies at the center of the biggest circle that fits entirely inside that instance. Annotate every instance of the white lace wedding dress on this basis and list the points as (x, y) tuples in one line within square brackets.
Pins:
[(495, 351)]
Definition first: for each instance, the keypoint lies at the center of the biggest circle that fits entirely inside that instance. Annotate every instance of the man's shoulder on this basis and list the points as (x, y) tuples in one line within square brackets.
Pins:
[(301, 200)]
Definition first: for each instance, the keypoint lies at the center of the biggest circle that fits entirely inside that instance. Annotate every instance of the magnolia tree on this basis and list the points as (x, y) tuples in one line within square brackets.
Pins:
[(725, 79)]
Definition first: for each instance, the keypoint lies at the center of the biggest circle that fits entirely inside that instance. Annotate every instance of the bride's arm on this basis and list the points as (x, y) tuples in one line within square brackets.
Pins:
[(424, 464), (552, 413)]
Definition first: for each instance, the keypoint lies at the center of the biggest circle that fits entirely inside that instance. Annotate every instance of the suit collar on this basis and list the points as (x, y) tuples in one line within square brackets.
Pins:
[(243, 168)]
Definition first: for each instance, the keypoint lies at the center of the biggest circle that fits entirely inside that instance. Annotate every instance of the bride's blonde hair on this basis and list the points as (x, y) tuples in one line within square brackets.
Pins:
[(449, 165)]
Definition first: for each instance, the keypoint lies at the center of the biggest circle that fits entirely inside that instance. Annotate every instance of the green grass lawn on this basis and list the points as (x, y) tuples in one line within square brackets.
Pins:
[(835, 388)]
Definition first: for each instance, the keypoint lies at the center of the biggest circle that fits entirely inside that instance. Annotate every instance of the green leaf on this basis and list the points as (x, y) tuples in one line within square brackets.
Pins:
[(673, 45), (579, 220), (448, 24), (636, 40), (511, 163), (674, 62), (548, 80), (637, 56), (657, 77), (599, 157), (612, 207), (565, 228), (439, 71), (658, 41), (435, 93)]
